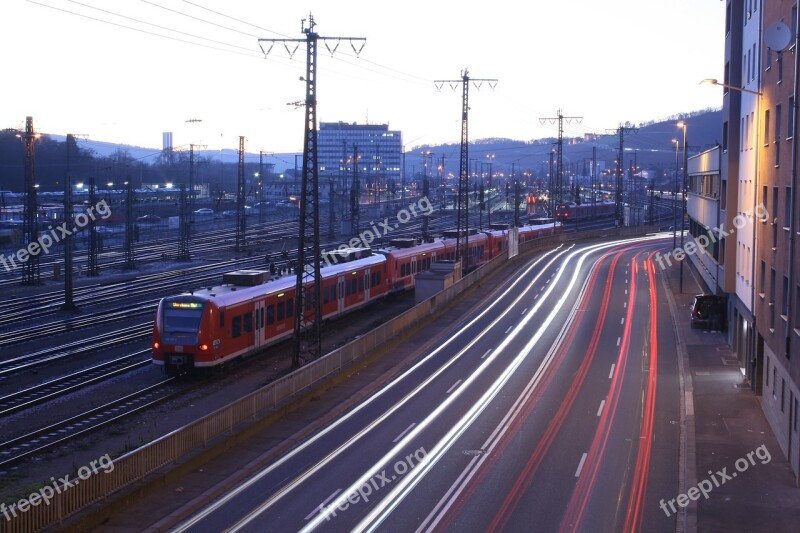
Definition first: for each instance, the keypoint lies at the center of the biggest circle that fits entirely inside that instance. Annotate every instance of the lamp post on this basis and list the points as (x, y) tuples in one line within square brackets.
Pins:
[(675, 199), (683, 125), (489, 190)]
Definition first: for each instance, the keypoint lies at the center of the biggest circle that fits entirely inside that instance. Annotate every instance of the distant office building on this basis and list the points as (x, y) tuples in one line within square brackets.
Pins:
[(380, 153)]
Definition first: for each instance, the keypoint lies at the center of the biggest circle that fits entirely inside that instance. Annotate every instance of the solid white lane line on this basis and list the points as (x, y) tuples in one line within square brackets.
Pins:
[(600, 410), (401, 435), (323, 504), (580, 465), (611, 374), (456, 384)]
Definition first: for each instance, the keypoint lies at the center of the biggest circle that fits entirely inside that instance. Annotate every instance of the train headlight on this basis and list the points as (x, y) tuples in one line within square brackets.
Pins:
[(203, 347), (156, 345)]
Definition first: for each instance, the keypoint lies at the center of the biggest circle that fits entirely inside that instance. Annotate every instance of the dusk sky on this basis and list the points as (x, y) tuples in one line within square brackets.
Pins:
[(128, 70)]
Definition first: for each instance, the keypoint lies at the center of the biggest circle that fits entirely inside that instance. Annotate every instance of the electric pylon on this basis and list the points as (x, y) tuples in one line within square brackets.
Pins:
[(308, 289), (462, 203)]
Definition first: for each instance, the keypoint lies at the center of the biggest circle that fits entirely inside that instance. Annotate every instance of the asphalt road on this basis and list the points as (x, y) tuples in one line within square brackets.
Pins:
[(553, 408)]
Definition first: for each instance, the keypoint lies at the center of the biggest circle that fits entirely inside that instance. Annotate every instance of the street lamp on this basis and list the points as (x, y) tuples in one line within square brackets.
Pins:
[(489, 202), (683, 125), (675, 198), (712, 81)]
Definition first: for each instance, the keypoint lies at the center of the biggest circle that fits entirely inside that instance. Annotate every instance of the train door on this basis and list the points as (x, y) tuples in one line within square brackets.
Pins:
[(258, 323), (340, 293)]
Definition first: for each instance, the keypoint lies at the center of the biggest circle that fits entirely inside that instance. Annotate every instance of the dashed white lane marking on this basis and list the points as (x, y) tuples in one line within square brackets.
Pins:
[(619, 339), (622, 320), (524, 311), (487, 353), (509, 329), (401, 435), (456, 384), (611, 374), (580, 465), (602, 404)]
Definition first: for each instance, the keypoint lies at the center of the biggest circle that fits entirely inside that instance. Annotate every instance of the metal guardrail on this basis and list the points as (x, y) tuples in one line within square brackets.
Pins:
[(137, 464)]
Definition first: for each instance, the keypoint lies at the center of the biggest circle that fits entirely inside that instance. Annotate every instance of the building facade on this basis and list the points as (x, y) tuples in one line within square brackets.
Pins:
[(703, 209), (379, 151), (777, 291)]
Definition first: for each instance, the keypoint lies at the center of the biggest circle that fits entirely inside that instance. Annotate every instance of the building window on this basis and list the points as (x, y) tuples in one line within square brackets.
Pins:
[(777, 134), (797, 302), (766, 373), (774, 216), (783, 393), (763, 279), (725, 136), (785, 296), (766, 127), (774, 381)]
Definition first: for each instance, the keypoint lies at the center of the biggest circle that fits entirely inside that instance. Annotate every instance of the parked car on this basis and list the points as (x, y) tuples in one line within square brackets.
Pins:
[(204, 211), (708, 311), (148, 219)]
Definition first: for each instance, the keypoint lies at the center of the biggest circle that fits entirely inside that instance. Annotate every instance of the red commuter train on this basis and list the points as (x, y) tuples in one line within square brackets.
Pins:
[(573, 211), (250, 311)]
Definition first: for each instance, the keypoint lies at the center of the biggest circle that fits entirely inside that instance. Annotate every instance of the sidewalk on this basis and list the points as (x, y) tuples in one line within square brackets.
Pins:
[(727, 425)]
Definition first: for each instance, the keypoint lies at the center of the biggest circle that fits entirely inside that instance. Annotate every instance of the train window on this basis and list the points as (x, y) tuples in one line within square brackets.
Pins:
[(270, 314), (236, 326), (333, 292), (324, 295), (222, 319), (289, 307), (378, 277), (281, 311), (360, 284), (248, 322)]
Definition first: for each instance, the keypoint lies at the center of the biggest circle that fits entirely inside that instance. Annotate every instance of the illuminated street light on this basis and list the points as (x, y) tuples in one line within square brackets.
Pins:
[(712, 81), (683, 125)]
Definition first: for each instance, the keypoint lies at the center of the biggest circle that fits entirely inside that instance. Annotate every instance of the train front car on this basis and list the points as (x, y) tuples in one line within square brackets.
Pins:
[(180, 333)]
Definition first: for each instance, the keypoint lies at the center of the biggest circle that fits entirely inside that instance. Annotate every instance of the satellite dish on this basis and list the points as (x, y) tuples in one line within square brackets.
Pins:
[(778, 36)]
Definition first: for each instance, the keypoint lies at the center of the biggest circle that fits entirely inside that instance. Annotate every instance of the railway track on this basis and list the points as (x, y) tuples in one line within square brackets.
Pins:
[(19, 448), (55, 388), (74, 349)]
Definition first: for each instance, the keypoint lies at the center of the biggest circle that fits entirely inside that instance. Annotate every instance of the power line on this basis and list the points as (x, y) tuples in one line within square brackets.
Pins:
[(157, 25), (141, 30)]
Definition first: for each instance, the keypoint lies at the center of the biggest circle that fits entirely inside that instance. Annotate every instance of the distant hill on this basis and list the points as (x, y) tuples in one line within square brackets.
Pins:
[(650, 144)]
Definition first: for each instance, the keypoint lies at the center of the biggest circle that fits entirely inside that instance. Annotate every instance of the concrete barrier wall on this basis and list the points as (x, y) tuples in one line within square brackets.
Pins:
[(137, 464)]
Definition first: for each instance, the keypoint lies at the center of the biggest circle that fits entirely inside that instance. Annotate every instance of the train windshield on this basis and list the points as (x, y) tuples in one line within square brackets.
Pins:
[(182, 317)]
